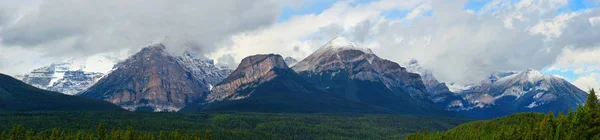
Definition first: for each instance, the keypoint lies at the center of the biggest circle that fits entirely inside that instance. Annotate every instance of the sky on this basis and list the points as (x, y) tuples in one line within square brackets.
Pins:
[(460, 41)]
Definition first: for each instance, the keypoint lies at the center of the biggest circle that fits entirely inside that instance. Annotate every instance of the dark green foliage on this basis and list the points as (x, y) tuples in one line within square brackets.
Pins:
[(584, 123), (173, 126), (18, 96)]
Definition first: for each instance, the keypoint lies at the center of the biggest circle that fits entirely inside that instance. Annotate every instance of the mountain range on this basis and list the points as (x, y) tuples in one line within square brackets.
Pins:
[(71, 76), (504, 93), (155, 80), (341, 76), (18, 96), (264, 83)]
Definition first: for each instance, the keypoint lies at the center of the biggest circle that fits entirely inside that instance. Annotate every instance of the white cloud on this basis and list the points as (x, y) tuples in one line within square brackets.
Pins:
[(580, 61), (456, 44), (586, 82), (307, 32)]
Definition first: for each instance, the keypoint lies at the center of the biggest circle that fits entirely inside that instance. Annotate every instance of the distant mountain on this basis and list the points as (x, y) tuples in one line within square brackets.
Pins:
[(356, 73), (510, 92), (204, 69), (18, 96), (154, 80), (72, 76), (290, 61), (264, 83), (439, 93)]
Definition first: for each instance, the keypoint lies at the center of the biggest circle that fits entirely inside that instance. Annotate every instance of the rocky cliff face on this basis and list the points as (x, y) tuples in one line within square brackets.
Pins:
[(360, 63), (251, 71), (264, 83), (151, 80), (356, 73)]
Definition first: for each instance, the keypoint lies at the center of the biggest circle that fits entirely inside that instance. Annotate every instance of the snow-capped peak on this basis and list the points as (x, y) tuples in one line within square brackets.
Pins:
[(341, 43), (532, 75)]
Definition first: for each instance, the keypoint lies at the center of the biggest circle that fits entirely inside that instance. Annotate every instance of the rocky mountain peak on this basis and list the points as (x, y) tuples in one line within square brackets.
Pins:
[(266, 61), (290, 61), (340, 44), (342, 58), (253, 70), (150, 80)]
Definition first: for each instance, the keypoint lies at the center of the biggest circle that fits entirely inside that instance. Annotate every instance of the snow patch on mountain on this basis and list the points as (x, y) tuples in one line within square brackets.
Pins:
[(341, 43), (70, 76), (203, 69)]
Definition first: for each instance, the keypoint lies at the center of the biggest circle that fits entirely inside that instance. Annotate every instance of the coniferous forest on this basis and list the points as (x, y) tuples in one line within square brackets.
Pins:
[(580, 124), (173, 126)]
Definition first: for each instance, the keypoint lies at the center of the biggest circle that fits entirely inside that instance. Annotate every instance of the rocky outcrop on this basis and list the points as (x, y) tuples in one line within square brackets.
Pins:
[(255, 69), (361, 63), (264, 83), (356, 73), (151, 80)]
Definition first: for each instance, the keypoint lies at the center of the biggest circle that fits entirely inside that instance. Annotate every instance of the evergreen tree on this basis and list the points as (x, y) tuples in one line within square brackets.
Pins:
[(208, 135), (162, 135), (130, 133), (101, 132), (116, 134)]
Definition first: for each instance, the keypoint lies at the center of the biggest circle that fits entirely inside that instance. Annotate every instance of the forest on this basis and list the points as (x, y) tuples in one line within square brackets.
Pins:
[(213, 125), (581, 124)]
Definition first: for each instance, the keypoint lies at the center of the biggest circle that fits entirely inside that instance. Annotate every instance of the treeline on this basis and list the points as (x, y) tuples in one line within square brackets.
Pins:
[(18, 132), (581, 124), (221, 126)]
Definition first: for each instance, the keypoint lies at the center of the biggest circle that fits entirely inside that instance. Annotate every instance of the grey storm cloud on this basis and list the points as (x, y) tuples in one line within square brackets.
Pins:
[(65, 27)]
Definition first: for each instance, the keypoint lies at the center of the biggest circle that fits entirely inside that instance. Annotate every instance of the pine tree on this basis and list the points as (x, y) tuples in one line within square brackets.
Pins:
[(129, 133), (101, 132), (208, 135), (591, 104), (4, 135), (162, 135), (29, 134), (55, 135), (593, 108), (79, 135)]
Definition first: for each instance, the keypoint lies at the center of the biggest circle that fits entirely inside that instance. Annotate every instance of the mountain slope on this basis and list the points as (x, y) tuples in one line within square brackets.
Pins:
[(264, 83), (344, 68), (72, 76), (511, 92), (438, 92), (18, 96), (203, 69), (151, 80)]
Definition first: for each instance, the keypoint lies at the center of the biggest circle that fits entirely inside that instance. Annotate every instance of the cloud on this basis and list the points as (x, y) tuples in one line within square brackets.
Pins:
[(305, 33), (66, 28), (580, 61), (586, 82), (457, 45)]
